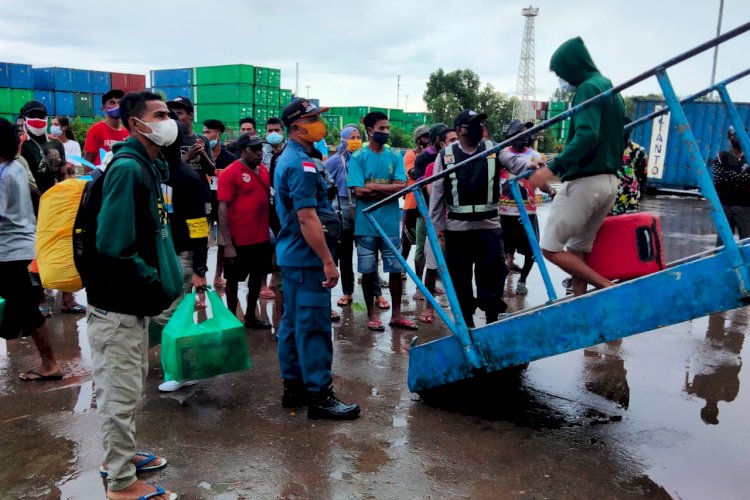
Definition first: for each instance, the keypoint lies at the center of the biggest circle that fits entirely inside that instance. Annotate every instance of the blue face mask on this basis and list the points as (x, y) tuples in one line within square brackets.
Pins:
[(113, 112), (55, 131), (213, 143), (274, 138)]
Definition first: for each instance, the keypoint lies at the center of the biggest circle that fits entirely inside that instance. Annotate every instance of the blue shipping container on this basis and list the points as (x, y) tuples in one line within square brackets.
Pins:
[(98, 104), (59, 79), (5, 76), (46, 97), (172, 77), (172, 92), (709, 123), (82, 81), (100, 82), (21, 76), (65, 104)]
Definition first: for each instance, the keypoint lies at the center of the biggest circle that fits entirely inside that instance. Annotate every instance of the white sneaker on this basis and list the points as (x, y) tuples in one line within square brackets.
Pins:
[(173, 385)]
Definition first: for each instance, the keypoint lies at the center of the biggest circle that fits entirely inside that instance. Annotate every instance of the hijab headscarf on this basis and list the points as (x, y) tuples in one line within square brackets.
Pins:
[(346, 133)]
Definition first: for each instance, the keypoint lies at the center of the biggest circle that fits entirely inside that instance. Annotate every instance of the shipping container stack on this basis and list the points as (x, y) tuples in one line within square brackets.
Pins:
[(16, 84), (560, 130), (77, 93), (227, 93)]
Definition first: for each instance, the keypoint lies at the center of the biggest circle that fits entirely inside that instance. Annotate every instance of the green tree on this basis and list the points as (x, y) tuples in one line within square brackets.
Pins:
[(398, 138), (80, 129), (448, 93), (631, 102), (562, 95)]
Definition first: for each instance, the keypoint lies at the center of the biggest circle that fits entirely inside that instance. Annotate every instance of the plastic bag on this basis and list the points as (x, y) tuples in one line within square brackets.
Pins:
[(54, 236), (191, 351)]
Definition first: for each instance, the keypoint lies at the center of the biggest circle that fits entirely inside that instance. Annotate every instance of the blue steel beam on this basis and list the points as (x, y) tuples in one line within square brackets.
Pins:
[(705, 182), (691, 290), (697, 95), (734, 117)]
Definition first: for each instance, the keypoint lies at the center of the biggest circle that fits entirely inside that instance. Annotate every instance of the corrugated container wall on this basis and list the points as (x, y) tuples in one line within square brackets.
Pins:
[(81, 80), (137, 83), (21, 97), (21, 76), (181, 77), (5, 75), (172, 92), (46, 97), (101, 82), (709, 123), (65, 104)]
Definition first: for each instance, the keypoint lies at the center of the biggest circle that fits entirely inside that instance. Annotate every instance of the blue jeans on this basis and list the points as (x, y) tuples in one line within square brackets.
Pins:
[(305, 337)]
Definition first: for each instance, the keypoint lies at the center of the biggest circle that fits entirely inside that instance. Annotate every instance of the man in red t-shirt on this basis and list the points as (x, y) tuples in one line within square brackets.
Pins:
[(108, 131), (244, 194)]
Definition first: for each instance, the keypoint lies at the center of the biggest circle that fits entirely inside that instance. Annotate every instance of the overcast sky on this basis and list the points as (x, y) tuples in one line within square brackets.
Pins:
[(351, 52)]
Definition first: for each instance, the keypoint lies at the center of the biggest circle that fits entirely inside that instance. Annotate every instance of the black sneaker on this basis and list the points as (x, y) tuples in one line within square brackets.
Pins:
[(325, 405), (295, 394), (257, 324)]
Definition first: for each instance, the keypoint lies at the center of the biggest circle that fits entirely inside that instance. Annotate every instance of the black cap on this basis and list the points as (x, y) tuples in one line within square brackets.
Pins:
[(299, 108), (33, 106), (248, 140), (436, 130), (215, 125), (116, 93), (468, 115), (181, 102), (515, 127)]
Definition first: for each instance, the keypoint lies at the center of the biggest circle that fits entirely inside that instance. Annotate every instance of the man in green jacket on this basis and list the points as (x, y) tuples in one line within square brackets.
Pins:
[(587, 167), (139, 277)]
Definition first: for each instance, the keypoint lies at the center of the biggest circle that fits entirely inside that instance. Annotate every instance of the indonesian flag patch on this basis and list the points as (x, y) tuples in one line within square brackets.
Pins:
[(309, 166)]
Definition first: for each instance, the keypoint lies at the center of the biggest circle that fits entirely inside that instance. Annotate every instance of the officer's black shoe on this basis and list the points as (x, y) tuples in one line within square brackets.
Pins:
[(295, 394), (325, 405), (257, 324)]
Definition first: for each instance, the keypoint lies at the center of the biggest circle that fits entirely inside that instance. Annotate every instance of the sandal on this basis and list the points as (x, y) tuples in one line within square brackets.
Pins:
[(267, 294), (404, 323), (418, 296), (220, 283), (335, 316), (34, 376), (158, 492), (427, 317), (382, 303), (376, 326), (344, 301), (76, 309), (141, 465)]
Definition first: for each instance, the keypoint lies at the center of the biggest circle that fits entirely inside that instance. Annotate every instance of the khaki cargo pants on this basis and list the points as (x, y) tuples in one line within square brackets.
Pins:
[(119, 348)]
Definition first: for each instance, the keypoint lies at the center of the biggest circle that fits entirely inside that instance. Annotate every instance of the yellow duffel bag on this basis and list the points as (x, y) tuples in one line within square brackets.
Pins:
[(54, 235)]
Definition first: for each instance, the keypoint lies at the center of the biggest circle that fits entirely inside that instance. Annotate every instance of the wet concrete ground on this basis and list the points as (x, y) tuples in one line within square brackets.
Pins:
[(656, 415)]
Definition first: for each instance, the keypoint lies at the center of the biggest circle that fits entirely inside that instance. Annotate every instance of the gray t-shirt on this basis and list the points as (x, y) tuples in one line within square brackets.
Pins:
[(17, 219)]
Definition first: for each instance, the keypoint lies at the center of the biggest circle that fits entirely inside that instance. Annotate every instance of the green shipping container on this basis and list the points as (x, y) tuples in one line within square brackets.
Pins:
[(397, 124), (558, 106), (274, 78), (273, 97), (84, 104), (382, 110), (262, 76), (396, 115), (285, 97), (225, 94), (231, 73), (11, 118), (359, 111), (261, 96), (334, 121), (6, 102), (228, 113), (19, 97), (263, 113)]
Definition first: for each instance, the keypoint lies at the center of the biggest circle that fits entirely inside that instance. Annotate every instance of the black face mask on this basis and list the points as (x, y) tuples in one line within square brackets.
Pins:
[(735, 143), (380, 137), (474, 132), (522, 143)]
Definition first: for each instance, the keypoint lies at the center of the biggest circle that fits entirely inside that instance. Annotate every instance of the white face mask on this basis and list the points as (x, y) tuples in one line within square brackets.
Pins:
[(162, 133), (565, 86)]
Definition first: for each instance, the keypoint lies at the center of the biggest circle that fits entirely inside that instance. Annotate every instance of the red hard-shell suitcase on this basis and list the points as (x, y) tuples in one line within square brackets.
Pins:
[(628, 246)]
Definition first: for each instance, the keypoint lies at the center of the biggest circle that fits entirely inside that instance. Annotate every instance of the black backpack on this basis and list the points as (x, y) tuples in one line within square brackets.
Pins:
[(85, 225)]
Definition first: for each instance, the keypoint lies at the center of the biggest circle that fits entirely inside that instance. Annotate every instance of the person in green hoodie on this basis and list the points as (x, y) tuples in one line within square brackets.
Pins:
[(587, 167), (140, 278)]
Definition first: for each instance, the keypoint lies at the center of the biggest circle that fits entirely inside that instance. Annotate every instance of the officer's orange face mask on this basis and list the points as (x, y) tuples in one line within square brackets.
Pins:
[(311, 131)]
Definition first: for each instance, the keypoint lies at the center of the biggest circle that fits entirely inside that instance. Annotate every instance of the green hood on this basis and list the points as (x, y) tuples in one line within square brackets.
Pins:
[(572, 62)]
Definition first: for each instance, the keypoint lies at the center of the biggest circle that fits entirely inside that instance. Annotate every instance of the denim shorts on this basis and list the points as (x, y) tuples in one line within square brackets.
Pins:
[(367, 254)]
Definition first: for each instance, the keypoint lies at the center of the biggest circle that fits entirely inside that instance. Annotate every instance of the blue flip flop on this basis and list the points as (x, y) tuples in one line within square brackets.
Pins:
[(154, 494), (140, 466)]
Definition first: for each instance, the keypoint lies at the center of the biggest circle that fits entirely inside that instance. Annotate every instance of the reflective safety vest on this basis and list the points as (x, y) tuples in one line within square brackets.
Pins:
[(471, 192)]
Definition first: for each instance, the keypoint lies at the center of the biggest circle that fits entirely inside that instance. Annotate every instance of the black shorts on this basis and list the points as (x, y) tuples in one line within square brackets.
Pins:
[(251, 259), (514, 235), (22, 299)]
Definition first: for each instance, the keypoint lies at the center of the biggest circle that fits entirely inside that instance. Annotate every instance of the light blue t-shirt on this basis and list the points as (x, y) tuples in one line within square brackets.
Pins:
[(366, 166)]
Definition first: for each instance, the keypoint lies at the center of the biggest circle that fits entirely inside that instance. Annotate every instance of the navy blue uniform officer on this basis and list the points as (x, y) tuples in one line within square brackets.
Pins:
[(308, 271)]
